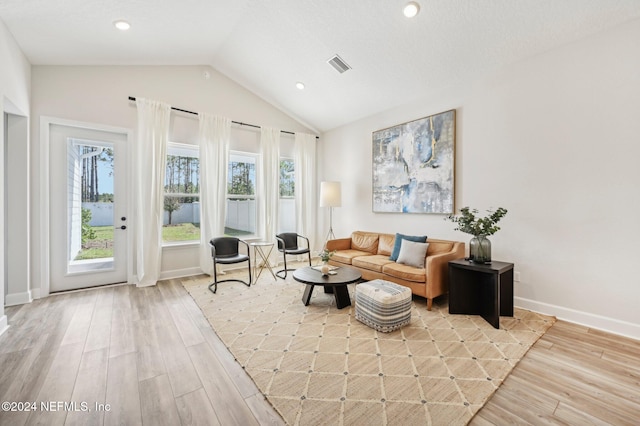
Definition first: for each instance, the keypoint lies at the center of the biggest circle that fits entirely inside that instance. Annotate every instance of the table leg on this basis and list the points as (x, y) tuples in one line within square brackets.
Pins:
[(306, 296), (490, 298), (506, 293), (255, 264), (269, 263), (257, 250), (341, 293)]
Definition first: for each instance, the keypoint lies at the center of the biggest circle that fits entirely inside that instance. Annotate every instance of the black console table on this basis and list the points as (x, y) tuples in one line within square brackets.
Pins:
[(485, 290)]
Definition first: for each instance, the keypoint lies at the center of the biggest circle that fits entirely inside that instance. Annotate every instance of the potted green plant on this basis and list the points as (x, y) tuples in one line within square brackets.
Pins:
[(480, 227), (325, 255)]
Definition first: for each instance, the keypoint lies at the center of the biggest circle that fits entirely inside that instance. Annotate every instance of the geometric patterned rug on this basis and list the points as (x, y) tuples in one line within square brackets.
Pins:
[(317, 364)]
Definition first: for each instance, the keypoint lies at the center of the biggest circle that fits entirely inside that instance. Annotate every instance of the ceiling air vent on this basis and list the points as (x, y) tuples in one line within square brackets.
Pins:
[(339, 64)]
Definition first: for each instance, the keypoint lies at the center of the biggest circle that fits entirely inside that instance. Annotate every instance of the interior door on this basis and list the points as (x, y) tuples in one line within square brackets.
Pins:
[(88, 207)]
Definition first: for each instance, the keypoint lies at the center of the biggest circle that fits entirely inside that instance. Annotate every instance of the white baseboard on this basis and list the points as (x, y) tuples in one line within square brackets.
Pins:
[(611, 325), (4, 325), (13, 299), (179, 273)]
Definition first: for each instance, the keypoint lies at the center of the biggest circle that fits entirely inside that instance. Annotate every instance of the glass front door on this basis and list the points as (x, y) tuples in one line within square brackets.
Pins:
[(88, 208)]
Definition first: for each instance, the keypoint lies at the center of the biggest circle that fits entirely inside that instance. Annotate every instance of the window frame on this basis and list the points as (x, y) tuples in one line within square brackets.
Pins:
[(256, 158), (195, 149), (294, 181)]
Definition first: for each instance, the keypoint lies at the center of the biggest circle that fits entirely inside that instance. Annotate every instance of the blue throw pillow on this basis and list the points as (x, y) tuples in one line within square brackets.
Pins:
[(398, 243)]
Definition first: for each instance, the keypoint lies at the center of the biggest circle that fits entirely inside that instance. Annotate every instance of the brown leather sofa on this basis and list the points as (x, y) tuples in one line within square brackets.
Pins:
[(369, 253)]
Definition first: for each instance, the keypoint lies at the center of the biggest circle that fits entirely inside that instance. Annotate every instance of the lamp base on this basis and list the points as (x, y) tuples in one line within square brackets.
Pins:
[(330, 236)]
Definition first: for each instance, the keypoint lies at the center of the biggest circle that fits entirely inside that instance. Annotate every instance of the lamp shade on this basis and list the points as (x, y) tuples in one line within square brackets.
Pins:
[(330, 194)]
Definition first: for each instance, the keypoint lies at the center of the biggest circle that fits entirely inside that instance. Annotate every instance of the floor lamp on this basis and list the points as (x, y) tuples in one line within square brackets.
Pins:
[(330, 196)]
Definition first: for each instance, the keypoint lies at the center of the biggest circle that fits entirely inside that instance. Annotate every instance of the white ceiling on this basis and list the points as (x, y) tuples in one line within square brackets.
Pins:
[(269, 45)]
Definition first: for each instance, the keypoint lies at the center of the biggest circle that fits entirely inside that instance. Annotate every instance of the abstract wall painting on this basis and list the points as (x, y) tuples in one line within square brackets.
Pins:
[(413, 166)]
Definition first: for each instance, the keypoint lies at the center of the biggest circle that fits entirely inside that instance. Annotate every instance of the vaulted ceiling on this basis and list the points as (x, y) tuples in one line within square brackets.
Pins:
[(269, 45)]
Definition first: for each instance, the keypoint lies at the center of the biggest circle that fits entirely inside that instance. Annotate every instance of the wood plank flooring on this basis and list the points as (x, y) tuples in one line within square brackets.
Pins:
[(573, 375), (150, 354)]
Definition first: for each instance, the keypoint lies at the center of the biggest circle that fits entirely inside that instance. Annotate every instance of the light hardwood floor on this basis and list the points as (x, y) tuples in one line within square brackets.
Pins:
[(573, 375), (147, 352), (150, 354)]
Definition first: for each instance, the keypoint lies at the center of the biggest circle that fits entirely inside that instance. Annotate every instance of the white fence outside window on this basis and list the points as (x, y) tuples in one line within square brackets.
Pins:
[(241, 214)]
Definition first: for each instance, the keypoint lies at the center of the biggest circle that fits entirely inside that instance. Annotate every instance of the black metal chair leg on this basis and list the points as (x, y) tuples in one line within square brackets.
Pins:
[(215, 282), (285, 270), (215, 279), (278, 274)]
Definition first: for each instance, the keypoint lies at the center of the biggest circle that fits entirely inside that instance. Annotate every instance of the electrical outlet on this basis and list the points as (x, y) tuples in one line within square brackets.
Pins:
[(516, 276)]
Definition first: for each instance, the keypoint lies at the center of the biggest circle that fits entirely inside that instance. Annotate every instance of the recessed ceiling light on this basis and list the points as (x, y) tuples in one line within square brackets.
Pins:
[(411, 9), (122, 25), (300, 85)]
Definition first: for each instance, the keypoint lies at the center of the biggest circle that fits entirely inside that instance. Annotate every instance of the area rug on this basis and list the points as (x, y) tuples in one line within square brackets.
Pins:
[(317, 364)]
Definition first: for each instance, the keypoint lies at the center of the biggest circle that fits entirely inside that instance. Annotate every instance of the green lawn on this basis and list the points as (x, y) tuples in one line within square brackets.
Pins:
[(99, 247), (180, 232), (102, 245), (230, 232)]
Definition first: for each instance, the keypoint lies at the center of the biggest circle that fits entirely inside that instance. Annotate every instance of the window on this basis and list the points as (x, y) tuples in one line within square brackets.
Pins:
[(182, 194), (287, 178), (241, 195), (287, 210)]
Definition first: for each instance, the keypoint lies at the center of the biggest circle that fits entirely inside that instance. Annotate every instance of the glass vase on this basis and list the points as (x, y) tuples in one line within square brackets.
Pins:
[(480, 249)]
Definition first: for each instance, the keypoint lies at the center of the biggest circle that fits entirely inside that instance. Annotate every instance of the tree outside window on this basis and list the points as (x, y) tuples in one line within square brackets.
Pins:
[(182, 194), (287, 210), (287, 178), (241, 194)]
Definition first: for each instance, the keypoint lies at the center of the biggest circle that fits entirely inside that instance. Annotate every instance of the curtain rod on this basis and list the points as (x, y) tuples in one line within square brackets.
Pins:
[(133, 99)]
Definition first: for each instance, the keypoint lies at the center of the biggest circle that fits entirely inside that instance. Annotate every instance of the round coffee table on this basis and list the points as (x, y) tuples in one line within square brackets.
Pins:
[(336, 284)]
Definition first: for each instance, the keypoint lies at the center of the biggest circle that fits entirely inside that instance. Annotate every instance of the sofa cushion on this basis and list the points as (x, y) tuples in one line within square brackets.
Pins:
[(437, 247), (385, 244), (398, 242), (364, 241), (345, 256), (373, 262), (412, 253), (405, 272)]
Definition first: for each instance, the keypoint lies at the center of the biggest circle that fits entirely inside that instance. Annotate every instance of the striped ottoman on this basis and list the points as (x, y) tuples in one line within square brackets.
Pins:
[(383, 305)]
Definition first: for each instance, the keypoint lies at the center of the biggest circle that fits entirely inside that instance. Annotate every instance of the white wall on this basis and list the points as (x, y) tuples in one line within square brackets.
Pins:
[(555, 140), (100, 95), (14, 96)]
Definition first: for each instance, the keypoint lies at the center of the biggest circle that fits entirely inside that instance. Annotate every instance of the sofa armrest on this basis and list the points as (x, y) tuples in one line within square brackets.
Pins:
[(438, 270), (339, 244)]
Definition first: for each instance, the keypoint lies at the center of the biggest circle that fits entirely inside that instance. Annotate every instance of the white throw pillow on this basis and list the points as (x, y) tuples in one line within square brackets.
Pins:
[(412, 253)]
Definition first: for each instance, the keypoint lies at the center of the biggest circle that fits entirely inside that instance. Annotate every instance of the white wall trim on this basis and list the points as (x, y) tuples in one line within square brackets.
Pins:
[(13, 299), (43, 288), (180, 273), (37, 294), (190, 272), (599, 322), (4, 325)]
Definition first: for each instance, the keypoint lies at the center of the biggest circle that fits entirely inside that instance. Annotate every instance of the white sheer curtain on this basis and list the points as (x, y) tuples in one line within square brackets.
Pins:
[(270, 185), (305, 185), (150, 157), (214, 136)]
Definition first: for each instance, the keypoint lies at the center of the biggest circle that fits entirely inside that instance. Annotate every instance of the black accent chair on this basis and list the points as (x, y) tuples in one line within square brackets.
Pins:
[(288, 245), (225, 250)]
